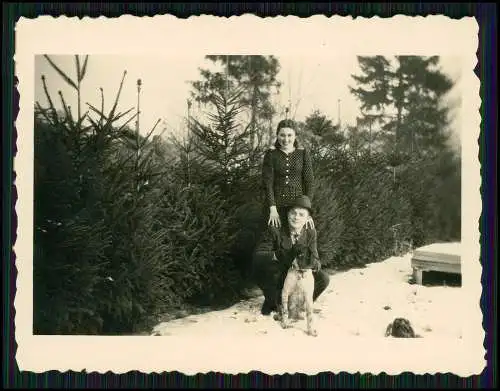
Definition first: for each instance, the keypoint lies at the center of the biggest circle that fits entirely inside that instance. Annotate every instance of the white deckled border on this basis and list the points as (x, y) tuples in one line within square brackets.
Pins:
[(318, 36)]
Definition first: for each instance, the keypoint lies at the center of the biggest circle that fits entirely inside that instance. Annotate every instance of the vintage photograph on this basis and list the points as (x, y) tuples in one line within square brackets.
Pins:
[(168, 225), (286, 196)]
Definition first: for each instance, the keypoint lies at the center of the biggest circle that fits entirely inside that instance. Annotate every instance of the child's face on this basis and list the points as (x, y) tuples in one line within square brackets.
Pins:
[(297, 217)]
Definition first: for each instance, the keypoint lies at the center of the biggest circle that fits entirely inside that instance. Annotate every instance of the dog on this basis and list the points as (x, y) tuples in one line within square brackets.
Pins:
[(401, 328), (297, 292)]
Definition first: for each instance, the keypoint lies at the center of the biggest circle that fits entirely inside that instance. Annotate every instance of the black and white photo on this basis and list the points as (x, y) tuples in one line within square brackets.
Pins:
[(281, 195)]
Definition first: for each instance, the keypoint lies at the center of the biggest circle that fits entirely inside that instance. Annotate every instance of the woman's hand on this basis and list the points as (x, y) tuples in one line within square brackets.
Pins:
[(274, 217), (310, 223)]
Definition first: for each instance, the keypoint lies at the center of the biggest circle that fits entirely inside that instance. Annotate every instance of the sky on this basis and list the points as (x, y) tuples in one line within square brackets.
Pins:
[(309, 82)]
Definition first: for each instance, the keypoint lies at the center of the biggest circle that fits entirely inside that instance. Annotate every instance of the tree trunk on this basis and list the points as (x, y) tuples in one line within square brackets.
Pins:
[(253, 120)]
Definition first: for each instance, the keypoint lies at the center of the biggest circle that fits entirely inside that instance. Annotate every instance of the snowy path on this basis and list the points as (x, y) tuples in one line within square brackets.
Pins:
[(351, 320), (359, 302)]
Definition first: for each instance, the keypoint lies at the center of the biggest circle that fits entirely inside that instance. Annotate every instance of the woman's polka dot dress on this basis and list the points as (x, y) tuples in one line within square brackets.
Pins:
[(287, 176)]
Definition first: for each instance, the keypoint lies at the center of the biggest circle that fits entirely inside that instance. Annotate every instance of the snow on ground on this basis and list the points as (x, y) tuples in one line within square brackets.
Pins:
[(359, 302), (351, 319)]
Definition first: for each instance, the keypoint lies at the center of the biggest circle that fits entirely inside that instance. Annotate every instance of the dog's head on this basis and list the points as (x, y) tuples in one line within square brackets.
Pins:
[(301, 254)]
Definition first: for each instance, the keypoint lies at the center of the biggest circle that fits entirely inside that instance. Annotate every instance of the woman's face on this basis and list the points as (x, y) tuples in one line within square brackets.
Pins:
[(286, 137), (297, 217)]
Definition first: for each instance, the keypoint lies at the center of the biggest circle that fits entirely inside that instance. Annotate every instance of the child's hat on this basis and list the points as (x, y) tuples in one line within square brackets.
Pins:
[(302, 202)]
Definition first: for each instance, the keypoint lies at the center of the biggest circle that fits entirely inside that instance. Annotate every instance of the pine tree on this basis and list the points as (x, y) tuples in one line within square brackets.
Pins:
[(228, 140), (101, 263), (402, 100), (320, 125), (320, 135), (255, 76), (223, 143)]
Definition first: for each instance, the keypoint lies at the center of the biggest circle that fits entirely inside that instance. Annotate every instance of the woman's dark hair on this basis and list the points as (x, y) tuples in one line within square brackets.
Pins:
[(286, 123)]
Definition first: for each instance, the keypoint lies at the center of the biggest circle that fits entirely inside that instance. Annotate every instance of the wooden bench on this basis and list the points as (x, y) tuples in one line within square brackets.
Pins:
[(440, 257)]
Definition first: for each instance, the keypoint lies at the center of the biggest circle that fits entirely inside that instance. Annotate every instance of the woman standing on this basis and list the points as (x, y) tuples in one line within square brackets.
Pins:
[(287, 173)]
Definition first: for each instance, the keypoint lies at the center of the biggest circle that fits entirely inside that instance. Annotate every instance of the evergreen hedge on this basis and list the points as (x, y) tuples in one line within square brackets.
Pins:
[(124, 231)]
